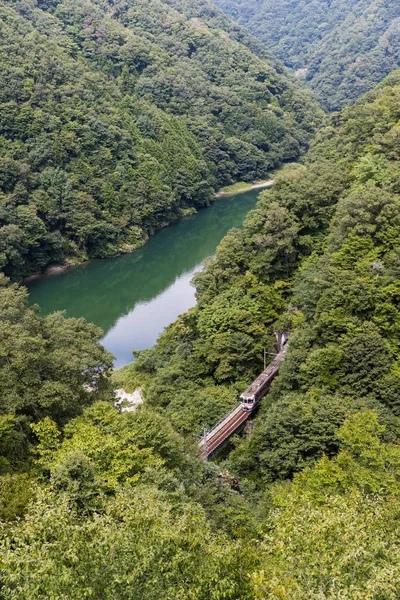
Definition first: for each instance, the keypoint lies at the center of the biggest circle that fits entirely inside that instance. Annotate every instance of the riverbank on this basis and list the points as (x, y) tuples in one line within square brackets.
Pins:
[(133, 297), (242, 187), (233, 190), (52, 270)]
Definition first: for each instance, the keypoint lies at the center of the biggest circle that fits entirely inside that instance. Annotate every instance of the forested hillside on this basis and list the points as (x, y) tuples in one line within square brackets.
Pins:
[(319, 256), (118, 118), (307, 505), (342, 48), (98, 149), (299, 248)]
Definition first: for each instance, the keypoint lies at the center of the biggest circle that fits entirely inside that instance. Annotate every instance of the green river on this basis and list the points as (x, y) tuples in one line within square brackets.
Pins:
[(135, 296)]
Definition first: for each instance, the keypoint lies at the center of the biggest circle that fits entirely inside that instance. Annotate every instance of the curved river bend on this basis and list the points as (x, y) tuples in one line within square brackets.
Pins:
[(135, 296)]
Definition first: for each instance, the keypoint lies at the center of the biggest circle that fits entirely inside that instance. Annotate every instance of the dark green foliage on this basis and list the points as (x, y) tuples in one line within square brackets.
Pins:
[(50, 366), (16, 491), (115, 121), (291, 434), (76, 476), (341, 49), (323, 242), (241, 294), (348, 343)]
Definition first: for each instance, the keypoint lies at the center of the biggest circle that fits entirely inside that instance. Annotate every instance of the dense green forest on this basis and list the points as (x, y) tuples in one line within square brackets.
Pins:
[(97, 503), (116, 118), (319, 256), (342, 48)]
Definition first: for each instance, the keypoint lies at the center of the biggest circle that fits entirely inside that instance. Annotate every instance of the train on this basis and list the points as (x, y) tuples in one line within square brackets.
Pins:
[(260, 386)]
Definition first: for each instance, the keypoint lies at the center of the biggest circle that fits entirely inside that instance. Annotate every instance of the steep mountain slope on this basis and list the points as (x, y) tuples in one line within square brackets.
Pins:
[(319, 256), (341, 47), (117, 118), (120, 504), (125, 509), (324, 240)]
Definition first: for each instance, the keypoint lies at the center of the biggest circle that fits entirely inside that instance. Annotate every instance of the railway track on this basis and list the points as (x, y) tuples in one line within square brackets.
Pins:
[(233, 421), (219, 434)]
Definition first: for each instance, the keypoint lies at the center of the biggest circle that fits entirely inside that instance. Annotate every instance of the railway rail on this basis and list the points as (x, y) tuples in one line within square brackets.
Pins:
[(234, 421)]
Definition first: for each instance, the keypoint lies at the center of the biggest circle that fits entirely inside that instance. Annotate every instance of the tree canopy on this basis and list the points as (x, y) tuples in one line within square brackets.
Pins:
[(100, 503), (341, 49), (117, 119), (319, 256)]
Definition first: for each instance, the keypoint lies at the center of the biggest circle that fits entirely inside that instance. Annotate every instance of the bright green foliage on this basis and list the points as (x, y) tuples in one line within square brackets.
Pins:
[(103, 450), (115, 121), (126, 512), (49, 366), (144, 545), (341, 49), (335, 531), (119, 446), (346, 548), (48, 436)]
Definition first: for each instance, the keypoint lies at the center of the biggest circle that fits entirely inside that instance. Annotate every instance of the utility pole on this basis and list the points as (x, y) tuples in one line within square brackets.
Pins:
[(205, 443), (265, 357)]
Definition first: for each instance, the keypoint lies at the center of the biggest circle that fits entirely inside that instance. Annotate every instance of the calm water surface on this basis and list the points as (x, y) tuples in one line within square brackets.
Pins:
[(135, 296)]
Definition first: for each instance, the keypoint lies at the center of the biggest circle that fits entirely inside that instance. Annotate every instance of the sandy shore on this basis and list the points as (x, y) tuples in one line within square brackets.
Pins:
[(53, 270), (255, 186)]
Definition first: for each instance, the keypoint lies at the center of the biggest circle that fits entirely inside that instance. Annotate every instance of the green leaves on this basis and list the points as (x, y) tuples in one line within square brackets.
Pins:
[(289, 435), (113, 125), (141, 547), (348, 547), (340, 49), (334, 531), (49, 367)]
